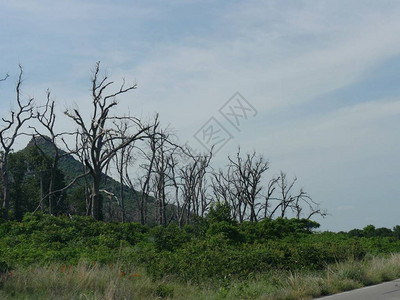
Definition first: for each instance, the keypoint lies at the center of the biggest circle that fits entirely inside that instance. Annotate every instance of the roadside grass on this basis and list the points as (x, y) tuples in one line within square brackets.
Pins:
[(95, 281)]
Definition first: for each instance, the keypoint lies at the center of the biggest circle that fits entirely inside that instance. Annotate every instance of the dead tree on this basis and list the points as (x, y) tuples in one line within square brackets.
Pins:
[(143, 183), (247, 179), (125, 159), (98, 133), (193, 185), (120, 160), (179, 209), (146, 156), (157, 175), (8, 134), (241, 185), (269, 196), (160, 178), (82, 155), (224, 190), (47, 118), (295, 203), (285, 199)]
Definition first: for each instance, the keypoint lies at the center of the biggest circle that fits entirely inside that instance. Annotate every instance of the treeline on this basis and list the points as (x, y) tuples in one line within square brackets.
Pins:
[(371, 231), (165, 181)]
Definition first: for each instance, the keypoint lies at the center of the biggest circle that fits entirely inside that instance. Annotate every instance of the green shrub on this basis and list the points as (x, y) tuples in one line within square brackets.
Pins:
[(220, 212), (164, 291), (227, 230), (169, 238)]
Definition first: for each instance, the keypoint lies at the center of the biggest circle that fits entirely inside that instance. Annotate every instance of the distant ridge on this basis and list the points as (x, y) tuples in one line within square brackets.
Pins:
[(72, 168)]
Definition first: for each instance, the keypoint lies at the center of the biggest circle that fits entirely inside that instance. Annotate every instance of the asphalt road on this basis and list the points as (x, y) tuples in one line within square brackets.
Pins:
[(384, 291)]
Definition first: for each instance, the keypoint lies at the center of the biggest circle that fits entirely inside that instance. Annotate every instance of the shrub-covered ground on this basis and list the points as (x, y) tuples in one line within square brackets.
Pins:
[(214, 257)]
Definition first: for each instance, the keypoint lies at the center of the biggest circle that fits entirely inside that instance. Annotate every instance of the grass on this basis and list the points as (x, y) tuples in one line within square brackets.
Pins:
[(94, 281)]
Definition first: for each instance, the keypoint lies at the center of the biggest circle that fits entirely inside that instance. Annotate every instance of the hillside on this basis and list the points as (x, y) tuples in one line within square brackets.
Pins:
[(71, 168)]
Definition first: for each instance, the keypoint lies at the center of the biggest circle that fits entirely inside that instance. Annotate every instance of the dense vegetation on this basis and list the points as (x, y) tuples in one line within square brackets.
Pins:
[(214, 250)]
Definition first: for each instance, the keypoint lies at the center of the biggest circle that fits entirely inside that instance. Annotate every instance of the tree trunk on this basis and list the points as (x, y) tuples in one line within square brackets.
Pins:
[(96, 199)]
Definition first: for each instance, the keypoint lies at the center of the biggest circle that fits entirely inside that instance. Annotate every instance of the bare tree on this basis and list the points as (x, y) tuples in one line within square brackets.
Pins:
[(47, 118), (160, 178), (97, 134), (147, 157), (8, 134), (224, 189), (120, 160), (125, 158), (247, 179), (241, 185), (285, 199), (194, 185), (269, 195), (296, 203), (173, 166)]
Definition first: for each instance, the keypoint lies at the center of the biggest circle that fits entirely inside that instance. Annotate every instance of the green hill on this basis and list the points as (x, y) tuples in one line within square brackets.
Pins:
[(72, 168)]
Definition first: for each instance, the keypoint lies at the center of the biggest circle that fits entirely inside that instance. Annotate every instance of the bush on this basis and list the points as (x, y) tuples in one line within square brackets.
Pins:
[(220, 212), (227, 231), (169, 238)]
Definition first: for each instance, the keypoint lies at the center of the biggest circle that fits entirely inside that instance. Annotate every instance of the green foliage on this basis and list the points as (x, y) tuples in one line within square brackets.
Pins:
[(76, 201), (169, 238), (198, 227), (276, 229), (29, 173), (220, 212), (41, 238), (164, 291), (227, 231), (371, 231), (396, 232), (216, 252)]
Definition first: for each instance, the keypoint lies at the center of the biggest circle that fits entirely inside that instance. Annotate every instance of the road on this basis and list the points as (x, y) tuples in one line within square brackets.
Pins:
[(384, 291)]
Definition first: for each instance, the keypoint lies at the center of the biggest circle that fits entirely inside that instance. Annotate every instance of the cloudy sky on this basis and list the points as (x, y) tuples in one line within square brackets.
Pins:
[(322, 78)]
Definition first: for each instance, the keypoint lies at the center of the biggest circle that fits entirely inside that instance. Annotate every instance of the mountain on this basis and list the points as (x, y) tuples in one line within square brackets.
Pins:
[(71, 168)]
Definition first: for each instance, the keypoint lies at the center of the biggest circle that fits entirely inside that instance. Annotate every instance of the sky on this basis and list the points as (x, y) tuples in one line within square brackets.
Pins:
[(316, 83)]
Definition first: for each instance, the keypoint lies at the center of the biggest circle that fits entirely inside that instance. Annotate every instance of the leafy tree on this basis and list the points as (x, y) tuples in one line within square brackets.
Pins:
[(17, 168), (29, 183)]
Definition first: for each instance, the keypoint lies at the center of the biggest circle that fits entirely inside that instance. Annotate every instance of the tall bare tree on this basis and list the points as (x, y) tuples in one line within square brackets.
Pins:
[(160, 178), (121, 163), (98, 133), (193, 185), (8, 134), (125, 159), (47, 118)]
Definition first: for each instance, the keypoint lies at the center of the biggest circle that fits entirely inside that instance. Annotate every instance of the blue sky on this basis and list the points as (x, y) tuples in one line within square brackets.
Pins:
[(323, 76)]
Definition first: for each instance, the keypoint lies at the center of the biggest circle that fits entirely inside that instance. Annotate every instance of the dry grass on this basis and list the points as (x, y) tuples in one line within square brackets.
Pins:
[(91, 281), (85, 281)]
